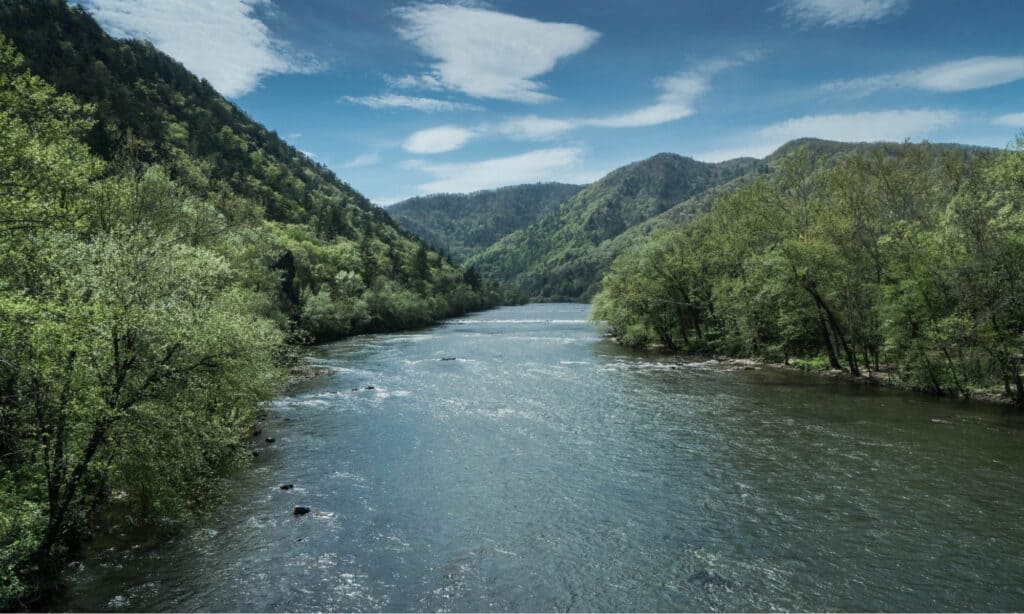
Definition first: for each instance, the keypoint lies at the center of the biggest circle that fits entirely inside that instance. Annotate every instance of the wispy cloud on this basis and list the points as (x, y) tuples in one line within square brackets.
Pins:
[(1013, 120), (959, 76), (869, 126), (561, 163), (488, 54), (677, 100), (678, 94), (362, 161), (224, 41), (533, 128), (437, 140), (395, 101), (838, 13)]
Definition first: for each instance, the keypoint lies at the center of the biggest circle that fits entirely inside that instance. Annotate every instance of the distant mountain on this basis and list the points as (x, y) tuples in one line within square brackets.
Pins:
[(463, 225), (563, 254)]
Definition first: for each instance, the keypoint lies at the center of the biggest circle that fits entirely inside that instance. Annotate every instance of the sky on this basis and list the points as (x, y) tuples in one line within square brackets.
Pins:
[(409, 98)]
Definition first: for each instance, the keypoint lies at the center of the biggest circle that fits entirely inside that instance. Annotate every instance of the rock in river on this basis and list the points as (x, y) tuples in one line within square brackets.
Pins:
[(300, 510)]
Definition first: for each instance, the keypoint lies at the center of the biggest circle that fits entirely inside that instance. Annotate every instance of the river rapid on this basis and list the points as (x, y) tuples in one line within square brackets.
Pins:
[(547, 469)]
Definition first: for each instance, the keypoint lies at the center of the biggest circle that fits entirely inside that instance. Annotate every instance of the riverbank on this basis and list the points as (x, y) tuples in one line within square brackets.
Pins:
[(881, 378)]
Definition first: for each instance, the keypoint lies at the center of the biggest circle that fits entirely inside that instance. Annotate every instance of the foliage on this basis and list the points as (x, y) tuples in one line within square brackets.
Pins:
[(897, 258), (305, 225), (564, 253), (159, 250), (463, 225)]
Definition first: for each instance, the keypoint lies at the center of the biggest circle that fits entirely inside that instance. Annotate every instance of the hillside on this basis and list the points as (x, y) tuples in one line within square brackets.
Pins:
[(560, 256), (567, 251), (897, 263), (463, 225), (149, 108), (162, 256)]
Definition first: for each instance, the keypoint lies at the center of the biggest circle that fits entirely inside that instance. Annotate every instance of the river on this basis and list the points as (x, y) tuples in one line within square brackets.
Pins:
[(546, 468)]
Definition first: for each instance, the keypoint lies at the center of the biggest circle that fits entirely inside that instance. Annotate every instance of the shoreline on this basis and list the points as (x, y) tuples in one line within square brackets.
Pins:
[(882, 379)]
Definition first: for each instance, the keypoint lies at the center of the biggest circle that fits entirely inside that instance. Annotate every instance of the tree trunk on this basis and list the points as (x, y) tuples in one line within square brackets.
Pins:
[(833, 360)]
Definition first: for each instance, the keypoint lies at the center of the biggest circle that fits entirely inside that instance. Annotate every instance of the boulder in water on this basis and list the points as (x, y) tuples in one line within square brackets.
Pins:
[(269, 440), (300, 510), (287, 486)]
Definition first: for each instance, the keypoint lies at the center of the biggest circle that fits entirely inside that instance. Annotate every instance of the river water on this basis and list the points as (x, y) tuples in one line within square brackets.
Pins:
[(545, 468)]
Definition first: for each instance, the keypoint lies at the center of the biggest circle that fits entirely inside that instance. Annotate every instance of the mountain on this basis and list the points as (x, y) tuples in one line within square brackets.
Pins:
[(149, 110), (564, 253), (462, 225)]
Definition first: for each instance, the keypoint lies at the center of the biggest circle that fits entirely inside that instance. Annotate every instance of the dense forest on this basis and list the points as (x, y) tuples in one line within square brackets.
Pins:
[(463, 225), (895, 261), (563, 255), (162, 254)]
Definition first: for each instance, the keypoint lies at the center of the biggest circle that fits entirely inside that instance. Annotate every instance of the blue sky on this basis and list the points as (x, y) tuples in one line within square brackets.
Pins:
[(409, 98)]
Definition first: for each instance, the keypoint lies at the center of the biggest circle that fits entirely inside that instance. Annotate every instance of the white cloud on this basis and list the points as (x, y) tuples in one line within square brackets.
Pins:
[(675, 102), (840, 12), (869, 126), (222, 41), (679, 93), (533, 128), (437, 140), (562, 163), (1013, 120), (362, 161), (392, 101), (487, 54), (959, 76)]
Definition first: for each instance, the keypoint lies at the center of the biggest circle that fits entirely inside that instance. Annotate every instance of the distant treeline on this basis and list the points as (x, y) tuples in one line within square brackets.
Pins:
[(903, 259)]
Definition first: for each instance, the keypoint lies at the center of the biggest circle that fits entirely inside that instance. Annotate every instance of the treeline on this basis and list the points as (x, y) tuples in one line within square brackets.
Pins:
[(902, 260), (147, 308)]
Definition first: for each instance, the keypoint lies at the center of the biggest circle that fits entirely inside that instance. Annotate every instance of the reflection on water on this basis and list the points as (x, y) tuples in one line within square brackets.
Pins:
[(545, 468)]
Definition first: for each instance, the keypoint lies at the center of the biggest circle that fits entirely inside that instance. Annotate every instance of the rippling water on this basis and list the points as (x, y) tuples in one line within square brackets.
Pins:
[(547, 469)]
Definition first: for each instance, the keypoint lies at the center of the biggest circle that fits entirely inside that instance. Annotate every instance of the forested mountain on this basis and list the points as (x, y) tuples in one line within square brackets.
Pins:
[(465, 224), (901, 259), (563, 254), (149, 108), (160, 254)]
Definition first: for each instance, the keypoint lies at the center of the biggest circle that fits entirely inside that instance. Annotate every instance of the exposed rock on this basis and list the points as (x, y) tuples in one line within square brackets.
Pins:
[(269, 440), (449, 358), (300, 510), (287, 486), (255, 453), (370, 388)]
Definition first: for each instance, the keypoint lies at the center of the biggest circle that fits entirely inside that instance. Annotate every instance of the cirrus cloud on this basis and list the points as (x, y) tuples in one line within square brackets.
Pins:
[(395, 101), (838, 13), (958, 76)]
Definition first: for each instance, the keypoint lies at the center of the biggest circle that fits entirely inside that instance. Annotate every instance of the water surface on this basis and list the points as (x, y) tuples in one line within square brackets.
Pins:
[(547, 469)]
